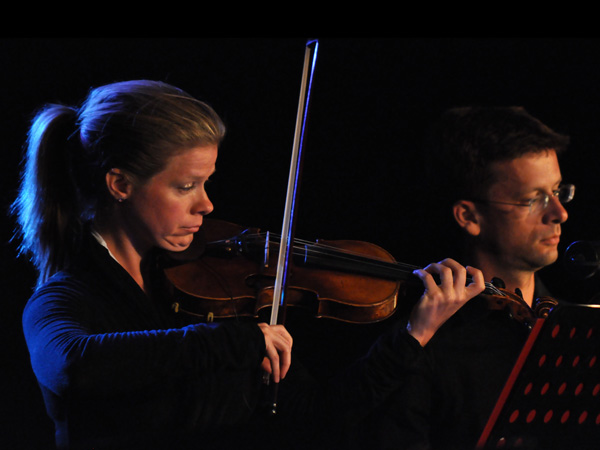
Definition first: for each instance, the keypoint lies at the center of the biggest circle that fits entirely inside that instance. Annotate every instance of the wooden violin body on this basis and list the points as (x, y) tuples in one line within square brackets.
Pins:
[(235, 277)]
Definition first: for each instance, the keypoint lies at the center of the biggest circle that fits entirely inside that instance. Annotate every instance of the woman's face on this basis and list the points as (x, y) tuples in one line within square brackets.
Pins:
[(169, 208)]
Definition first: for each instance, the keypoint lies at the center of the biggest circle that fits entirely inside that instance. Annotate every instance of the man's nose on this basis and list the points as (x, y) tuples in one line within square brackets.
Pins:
[(555, 212)]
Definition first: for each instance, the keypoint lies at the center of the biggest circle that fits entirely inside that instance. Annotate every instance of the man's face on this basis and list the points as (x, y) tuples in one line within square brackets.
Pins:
[(515, 236)]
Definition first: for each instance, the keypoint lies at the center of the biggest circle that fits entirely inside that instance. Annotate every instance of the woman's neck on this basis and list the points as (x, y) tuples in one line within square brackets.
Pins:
[(122, 248)]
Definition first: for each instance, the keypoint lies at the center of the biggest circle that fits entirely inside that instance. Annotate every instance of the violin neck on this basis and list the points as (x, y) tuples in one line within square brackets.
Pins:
[(331, 258)]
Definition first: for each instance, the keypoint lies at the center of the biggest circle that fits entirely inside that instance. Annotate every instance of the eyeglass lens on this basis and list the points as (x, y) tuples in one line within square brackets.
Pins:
[(564, 194)]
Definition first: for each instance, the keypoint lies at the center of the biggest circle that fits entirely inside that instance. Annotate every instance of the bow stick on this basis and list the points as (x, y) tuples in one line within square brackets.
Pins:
[(287, 231)]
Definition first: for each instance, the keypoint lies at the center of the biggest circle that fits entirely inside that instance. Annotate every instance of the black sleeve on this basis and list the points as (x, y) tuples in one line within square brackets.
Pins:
[(66, 354)]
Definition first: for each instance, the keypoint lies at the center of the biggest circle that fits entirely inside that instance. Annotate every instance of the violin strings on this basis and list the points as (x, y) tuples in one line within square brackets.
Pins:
[(317, 249), (347, 255)]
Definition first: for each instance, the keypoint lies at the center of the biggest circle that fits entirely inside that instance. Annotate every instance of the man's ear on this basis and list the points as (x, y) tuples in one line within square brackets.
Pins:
[(466, 215), (118, 184)]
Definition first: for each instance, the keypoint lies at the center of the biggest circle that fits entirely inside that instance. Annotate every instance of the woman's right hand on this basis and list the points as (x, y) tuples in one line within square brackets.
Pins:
[(439, 302), (278, 344)]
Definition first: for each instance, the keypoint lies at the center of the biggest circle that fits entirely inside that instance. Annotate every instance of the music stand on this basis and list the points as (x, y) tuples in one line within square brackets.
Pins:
[(551, 399)]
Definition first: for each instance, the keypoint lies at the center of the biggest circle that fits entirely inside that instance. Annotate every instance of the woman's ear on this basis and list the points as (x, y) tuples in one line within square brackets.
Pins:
[(468, 218), (118, 184)]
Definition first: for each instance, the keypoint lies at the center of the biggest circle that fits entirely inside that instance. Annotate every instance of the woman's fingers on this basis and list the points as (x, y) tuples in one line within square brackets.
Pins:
[(278, 344)]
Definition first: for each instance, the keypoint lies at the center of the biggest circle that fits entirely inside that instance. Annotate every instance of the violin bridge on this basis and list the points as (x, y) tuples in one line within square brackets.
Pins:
[(266, 251)]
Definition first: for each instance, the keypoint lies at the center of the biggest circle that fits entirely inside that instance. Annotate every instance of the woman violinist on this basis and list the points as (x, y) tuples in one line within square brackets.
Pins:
[(107, 187)]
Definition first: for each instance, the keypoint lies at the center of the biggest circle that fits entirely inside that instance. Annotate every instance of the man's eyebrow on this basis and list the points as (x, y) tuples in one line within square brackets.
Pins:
[(555, 185)]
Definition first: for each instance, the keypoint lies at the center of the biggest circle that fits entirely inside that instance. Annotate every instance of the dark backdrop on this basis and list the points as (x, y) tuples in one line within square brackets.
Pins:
[(371, 104)]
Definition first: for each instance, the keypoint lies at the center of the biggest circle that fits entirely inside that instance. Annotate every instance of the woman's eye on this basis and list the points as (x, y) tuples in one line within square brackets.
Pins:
[(187, 187), (193, 185)]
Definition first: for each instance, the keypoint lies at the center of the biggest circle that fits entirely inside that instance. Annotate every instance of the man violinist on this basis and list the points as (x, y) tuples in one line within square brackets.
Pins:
[(510, 204), (503, 187)]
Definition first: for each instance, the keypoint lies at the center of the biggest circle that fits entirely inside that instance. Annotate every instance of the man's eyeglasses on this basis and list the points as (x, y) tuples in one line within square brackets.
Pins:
[(564, 194)]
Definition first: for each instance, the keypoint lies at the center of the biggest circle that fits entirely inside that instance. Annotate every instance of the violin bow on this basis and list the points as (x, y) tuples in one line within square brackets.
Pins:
[(288, 226)]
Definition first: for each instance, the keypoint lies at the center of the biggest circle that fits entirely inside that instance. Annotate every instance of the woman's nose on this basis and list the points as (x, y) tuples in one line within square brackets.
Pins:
[(203, 206)]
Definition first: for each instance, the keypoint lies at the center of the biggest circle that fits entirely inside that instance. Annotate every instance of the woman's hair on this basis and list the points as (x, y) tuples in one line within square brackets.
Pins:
[(133, 125)]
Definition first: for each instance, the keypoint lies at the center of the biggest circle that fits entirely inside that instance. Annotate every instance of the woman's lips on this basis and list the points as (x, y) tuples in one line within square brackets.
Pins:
[(552, 240)]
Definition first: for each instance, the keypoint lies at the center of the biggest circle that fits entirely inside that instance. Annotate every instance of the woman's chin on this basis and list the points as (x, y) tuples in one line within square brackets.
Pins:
[(178, 243)]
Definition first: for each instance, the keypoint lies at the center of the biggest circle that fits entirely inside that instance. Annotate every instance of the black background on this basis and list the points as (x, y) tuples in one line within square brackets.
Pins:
[(372, 101)]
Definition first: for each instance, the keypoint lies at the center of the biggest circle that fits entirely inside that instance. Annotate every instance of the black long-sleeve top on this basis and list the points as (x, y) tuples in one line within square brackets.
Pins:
[(115, 365), (119, 369)]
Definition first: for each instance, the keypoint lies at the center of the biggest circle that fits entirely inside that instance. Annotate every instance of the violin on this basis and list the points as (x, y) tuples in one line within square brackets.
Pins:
[(351, 281), (230, 270)]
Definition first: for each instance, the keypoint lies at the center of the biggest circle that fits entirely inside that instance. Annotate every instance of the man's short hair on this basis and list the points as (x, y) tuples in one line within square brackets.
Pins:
[(467, 140)]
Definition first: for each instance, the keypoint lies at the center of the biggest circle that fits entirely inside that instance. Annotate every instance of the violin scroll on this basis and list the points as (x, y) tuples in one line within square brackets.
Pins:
[(517, 308), (543, 305)]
